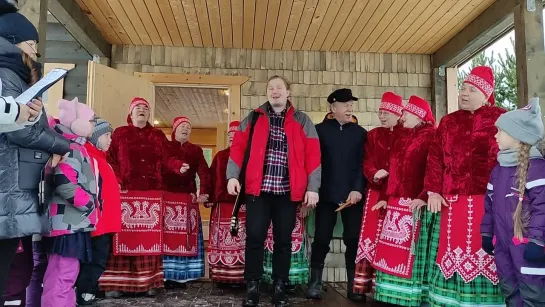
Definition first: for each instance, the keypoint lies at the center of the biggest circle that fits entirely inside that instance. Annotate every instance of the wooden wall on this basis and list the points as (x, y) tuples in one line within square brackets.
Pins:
[(61, 47), (314, 74)]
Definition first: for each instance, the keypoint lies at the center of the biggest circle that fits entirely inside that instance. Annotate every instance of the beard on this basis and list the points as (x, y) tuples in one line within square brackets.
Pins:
[(278, 104)]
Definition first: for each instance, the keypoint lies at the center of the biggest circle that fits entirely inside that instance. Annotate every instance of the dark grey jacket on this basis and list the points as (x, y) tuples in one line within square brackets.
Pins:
[(23, 155)]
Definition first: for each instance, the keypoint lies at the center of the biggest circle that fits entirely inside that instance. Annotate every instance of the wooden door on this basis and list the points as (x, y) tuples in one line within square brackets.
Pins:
[(109, 93)]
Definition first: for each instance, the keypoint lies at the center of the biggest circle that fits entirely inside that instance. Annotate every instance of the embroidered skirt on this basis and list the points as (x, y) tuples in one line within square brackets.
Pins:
[(183, 269), (298, 269), (455, 292), (410, 291), (132, 274)]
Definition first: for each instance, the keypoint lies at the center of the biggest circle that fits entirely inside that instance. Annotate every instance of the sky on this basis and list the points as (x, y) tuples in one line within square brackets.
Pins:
[(499, 47)]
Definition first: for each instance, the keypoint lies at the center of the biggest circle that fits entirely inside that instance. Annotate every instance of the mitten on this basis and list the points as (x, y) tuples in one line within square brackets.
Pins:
[(487, 245), (534, 252)]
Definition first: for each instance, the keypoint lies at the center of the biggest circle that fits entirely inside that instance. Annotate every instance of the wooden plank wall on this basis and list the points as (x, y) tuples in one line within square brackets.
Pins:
[(61, 47), (314, 74)]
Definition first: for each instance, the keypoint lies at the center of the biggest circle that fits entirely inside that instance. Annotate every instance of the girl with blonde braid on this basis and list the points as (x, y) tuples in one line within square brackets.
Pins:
[(513, 226)]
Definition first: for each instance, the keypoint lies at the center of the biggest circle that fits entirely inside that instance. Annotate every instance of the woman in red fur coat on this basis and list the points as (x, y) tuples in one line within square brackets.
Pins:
[(403, 241), (183, 258), (136, 155), (376, 169), (225, 253), (109, 210)]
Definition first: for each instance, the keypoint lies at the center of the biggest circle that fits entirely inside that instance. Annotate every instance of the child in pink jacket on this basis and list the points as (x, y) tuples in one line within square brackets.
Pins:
[(71, 206)]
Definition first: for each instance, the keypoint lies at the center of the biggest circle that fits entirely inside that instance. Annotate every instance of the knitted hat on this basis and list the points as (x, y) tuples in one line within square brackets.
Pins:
[(101, 127), (482, 78), (421, 108), (76, 116), (341, 95), (233, 126), (391, 103), (8, 6), (524, 124), (136, 101), (330, 116), (177, 122), (16, 28)]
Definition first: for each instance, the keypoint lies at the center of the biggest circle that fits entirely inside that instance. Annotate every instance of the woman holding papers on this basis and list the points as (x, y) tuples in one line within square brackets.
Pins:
[(24, 152)]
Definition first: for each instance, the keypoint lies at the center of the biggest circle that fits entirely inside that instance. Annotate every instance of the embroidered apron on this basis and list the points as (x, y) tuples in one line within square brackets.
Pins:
[(222, 247), (297, 235), (460, 240), (370, 225), (397, 239)]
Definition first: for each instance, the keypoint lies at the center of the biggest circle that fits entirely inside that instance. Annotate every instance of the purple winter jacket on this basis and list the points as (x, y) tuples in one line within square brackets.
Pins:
[(502, 198)]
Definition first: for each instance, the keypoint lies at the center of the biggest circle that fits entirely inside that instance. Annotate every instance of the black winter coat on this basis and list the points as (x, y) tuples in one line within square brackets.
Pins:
[(342, 158)]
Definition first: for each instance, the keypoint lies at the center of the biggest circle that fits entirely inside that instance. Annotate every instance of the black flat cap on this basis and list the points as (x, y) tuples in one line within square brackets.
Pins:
[(341, 95)]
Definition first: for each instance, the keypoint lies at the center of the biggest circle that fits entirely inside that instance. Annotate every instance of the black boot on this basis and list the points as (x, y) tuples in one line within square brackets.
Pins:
[(252, 294), (350, 274), (280, 299), (315, 283)]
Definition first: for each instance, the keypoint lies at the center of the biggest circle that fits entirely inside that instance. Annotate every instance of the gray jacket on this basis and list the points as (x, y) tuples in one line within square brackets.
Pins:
[(23, 155)]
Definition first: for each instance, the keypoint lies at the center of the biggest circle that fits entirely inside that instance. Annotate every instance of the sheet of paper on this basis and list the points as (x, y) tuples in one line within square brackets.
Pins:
[(42, 85)]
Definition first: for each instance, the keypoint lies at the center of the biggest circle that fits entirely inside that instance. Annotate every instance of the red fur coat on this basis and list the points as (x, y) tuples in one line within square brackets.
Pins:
[(137, 155), (189, 153), (377, 153), (218, 171), (463, 153), (408, 163)]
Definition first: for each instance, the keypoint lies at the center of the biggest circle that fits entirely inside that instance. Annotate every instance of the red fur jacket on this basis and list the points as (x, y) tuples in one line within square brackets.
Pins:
[(189, 153), (137, 155), (377, 153), (408, 163), (463, 153), (218, 177)]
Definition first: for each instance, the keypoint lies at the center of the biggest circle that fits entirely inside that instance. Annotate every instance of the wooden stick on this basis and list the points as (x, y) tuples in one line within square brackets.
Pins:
[(342, 206)]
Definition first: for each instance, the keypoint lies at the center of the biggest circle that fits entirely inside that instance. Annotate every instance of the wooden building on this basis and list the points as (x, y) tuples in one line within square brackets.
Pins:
[(210, 59)]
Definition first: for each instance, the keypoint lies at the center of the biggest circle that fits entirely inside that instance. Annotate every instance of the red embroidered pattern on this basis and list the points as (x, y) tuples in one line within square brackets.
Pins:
[(391, 107), (224, 248), (297, 236), (370, 226), (479, 82), (416, 110), (181, 220)]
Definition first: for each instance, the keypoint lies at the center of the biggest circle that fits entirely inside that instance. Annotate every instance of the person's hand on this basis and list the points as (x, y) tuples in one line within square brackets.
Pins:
[(380, 174), (202, 198), (184, 168), (435, 201), (35, 107), (311, 199), (24, 114), (417, 204), (380, 205), (233, 186), (304, 212), (56, 159), (354, 197)]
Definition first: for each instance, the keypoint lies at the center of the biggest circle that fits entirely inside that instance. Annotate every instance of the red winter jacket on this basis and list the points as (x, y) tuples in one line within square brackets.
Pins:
[(303, 152), (109, 213)]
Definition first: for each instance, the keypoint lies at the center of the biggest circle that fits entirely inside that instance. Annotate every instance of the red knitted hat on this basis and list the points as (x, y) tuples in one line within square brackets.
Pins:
[(421, 108), (233, 126), (176, 123), (391, 103), (135, 102), (482, 78)]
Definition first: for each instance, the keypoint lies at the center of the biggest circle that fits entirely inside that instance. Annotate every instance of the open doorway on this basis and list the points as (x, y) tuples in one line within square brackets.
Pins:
[(206, 107)]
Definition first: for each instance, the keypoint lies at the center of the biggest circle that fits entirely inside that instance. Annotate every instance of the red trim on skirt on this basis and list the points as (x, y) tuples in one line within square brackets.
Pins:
[(132, 274)]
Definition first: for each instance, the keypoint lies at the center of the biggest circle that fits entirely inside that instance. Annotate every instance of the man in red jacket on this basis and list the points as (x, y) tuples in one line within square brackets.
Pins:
[(283, 170)]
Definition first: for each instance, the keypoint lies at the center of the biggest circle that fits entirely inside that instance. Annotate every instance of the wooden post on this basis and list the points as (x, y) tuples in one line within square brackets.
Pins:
[(452, 89), (439, 93), (36, 12), (530, 53)]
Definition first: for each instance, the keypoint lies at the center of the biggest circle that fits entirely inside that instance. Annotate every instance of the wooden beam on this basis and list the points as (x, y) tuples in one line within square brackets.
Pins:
[(530, 53), (165, 78), (36, 12), (72, 17), (491, 25), (444, 92)]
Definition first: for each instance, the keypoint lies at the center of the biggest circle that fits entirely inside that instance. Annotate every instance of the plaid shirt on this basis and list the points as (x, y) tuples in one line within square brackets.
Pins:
[(276, 177)]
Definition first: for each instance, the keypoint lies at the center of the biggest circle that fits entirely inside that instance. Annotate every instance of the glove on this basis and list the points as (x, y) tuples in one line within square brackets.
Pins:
[(534, 252), (487, 245)]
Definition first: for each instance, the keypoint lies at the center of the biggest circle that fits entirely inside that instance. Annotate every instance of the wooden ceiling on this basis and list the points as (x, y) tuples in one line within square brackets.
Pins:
[(205, 107), (383, 26)]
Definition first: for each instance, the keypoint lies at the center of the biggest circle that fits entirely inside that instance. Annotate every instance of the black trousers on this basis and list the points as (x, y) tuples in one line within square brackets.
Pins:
[(259, 213), (89, 273), (326, 218), (8, 248)]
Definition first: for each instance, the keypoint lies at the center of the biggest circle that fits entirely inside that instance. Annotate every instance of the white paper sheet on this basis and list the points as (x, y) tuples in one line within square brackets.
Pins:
[(42, 85)]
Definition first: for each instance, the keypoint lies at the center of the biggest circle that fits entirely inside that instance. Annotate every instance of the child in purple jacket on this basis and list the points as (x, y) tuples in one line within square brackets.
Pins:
[(513, 227)]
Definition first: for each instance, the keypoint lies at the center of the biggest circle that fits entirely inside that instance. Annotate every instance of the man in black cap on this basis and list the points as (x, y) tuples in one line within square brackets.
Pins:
[(342, 142)]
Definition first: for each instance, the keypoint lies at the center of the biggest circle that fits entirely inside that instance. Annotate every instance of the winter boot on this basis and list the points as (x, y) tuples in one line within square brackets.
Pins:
[(315, 283), (280, 299), (355, 297), (252, 294)]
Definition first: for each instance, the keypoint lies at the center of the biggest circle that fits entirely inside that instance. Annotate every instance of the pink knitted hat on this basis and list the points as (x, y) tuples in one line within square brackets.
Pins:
[(76, 116)]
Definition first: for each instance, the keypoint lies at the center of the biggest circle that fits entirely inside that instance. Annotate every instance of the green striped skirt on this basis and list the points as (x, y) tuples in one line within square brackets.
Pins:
[(455, 292), (298, 268), (414, 291)]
